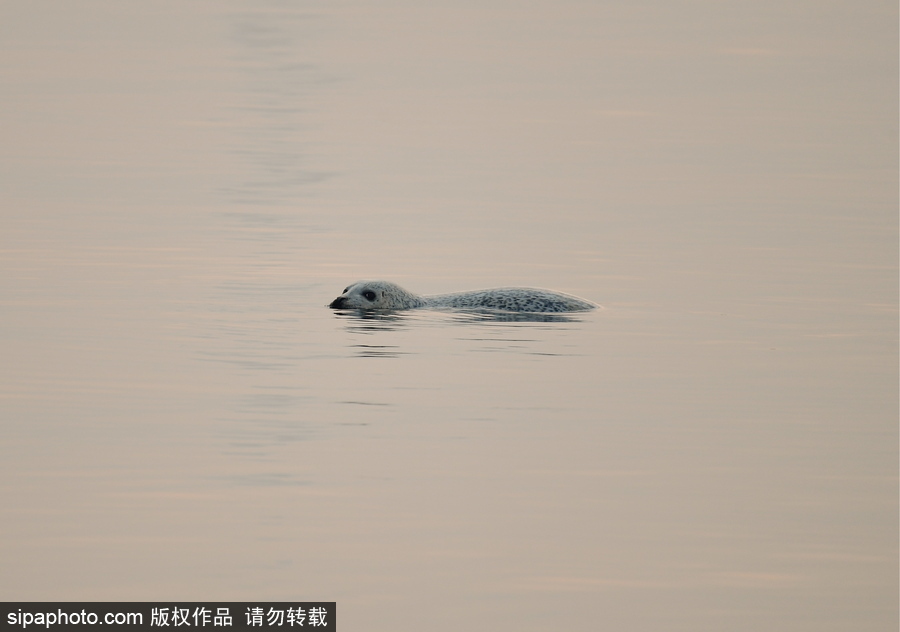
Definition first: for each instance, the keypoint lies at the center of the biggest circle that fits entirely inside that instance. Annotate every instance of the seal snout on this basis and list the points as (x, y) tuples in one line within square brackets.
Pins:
[(337, 303)]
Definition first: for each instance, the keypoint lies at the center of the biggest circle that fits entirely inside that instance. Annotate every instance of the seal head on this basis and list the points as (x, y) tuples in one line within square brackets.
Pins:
[(376, 295)]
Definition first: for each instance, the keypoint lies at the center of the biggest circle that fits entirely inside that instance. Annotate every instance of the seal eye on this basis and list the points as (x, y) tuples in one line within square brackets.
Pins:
[(369, 294)]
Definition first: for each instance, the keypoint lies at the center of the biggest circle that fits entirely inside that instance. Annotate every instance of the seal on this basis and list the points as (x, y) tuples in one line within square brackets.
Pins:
[(384, 295)]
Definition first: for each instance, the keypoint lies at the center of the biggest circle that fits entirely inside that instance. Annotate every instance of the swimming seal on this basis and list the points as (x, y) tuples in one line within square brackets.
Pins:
[(384, 295)]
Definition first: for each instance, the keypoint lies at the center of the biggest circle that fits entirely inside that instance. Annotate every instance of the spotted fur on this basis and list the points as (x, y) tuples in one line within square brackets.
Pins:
[(384, 295)]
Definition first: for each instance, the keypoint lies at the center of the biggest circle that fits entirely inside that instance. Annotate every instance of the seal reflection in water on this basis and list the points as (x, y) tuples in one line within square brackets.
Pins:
[(390, 296)]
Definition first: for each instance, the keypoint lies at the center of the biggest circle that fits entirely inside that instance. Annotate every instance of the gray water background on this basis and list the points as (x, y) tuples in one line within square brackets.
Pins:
[(185, 186)]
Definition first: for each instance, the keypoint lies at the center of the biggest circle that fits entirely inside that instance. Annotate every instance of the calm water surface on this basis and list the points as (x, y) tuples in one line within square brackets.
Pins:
[(185, 187)]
